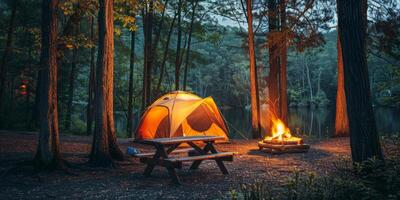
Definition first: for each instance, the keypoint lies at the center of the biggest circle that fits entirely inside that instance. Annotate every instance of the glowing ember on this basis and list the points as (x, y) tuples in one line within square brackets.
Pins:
[(281, 134)]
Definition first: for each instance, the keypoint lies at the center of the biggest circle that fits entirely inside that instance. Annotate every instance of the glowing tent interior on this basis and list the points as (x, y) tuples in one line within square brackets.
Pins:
[(181, 113)]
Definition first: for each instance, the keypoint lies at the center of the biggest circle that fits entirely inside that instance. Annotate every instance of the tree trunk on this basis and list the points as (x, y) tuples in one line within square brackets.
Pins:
[(36, 107), (148, 34), (48, 148), (164, 61), (283, 62), (189, 42), (273, 52), (178, 47), (7, 50), (71, 86), (130, 91), (309, 82), (105, 148), (364, 139), (90, 106), (157, 36), (341, 119), (254, 97)]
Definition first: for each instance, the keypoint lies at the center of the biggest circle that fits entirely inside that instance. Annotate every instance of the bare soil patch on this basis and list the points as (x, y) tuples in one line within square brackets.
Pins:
[(127, 181)]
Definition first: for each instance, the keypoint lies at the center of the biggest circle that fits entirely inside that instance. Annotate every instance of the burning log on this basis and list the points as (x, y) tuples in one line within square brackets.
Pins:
[(283, 148), (282, 141)]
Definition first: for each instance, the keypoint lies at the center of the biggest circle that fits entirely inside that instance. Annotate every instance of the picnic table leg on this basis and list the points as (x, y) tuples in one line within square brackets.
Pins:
[(160, 152), (148, 170), (196, 164), (221, 166), (173, 175), (220, 163), (164, 154)]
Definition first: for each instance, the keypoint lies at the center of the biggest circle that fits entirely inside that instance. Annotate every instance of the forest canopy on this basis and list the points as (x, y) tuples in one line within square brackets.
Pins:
[(214, 64)]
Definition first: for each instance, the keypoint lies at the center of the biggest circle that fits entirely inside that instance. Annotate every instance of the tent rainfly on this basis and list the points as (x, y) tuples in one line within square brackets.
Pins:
[(181, 113)]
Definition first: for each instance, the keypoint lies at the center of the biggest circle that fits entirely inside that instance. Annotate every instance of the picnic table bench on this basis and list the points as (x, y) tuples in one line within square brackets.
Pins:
[(165, 147)]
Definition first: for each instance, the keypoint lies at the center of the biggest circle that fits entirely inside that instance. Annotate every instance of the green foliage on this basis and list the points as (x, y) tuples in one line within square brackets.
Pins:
[(217, 66), (309, 186), (255, 191)]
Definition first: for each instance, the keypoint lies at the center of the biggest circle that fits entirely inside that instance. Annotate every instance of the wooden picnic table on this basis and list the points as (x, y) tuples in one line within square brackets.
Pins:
[(164, 147)]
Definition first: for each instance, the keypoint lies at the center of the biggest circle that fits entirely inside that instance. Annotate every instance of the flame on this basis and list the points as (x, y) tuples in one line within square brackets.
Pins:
[(279, 130), (281, 133)]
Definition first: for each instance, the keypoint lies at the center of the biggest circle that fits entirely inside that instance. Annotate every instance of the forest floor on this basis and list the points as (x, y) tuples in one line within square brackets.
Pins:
[(127, 181)]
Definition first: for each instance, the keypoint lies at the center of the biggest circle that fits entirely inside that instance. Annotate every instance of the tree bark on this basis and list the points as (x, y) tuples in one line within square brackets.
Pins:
[(148, 57), (364, 139), (130, 91), (273, 55), (341, 119), (283, 62), (178, 47), (48, 149), (7, 50), (92, 79), (254, 97), (185, 73), (105, 148)]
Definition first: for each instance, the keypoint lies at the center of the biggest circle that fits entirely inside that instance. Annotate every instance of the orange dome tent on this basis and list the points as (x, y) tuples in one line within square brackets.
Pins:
[(181, 113)]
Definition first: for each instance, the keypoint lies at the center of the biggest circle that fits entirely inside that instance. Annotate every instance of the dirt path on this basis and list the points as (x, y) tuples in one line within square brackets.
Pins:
[(127, 182)]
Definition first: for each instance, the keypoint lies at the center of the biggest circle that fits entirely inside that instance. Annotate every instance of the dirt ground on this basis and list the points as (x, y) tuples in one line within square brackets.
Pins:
[(127, 181)]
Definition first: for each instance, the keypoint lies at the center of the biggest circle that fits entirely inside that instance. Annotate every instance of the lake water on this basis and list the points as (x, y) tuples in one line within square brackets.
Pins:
[(319, 123)]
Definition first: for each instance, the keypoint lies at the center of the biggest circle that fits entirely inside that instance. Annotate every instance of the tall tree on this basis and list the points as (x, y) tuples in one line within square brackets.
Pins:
[(89, 108), (105, 148), (164, 60), (254, 95), (178, 46), (48, 149), (130, 90), (148, 57), (7, 49), (157, 35), (364, 139), (341, 119), (273, 58), (283, 104), (185, 72)]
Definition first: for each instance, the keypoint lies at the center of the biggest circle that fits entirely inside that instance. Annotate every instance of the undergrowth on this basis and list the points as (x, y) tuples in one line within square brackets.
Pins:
[(371, 179)]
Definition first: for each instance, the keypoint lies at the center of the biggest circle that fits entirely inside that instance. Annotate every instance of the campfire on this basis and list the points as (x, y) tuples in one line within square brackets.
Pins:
[(281, 140)]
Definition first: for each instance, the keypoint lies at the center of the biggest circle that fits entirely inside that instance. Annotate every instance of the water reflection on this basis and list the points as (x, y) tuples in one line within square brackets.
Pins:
[(318, 123)]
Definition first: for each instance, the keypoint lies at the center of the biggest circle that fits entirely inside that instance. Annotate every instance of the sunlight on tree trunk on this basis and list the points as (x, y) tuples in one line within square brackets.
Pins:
[(105, 148), (283, 62), (48, 148), (273, 55), (341, 119), (364, 139), (255, 110)]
